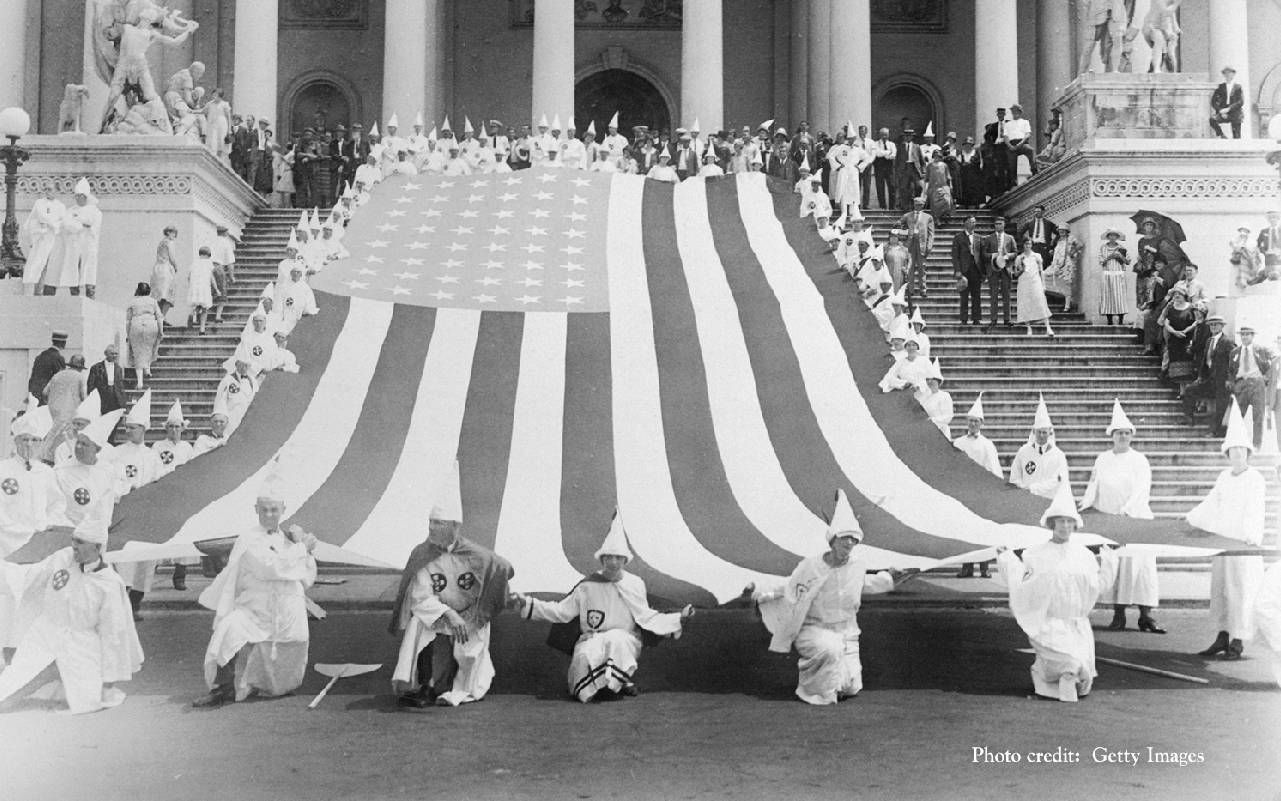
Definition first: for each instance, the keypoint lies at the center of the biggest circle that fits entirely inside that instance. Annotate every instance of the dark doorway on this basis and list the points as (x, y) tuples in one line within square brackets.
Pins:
[(905, 100), (320, 105), (636, 100)]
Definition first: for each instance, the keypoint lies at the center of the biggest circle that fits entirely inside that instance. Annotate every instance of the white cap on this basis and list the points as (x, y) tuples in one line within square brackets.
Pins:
[(844, 523), (1119, 419), (1063, 505), (1042, 417), (392, 121), (140, 414), (99, 429), (35, 422), (93, 527), (175, 415), (976, 411), (613, 121), (82, 188), (448, 503), (418, 119), (272, 487), (1239, 430), (90, 408), (467, 127), (615, 543)]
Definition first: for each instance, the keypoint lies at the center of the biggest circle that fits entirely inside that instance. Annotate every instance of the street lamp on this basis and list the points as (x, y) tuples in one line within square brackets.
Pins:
[(14, 124)]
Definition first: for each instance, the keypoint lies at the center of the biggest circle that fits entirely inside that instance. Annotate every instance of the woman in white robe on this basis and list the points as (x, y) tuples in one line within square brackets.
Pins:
[(1121, 484), (909, 372), (1234, 509), (611, 610), (1052, 590), (936, 402), (816, 610)]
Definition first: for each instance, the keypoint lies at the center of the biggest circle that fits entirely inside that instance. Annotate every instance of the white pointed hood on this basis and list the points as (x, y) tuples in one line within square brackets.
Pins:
[(929, 128), (1063, 505), (1240, 429), (175, 415), (272, 487), (35, 422), (591, 128), (90, 408), (917, 319), (99, 429), (140, 414), (83, 188), (418, 119), (615, 543), (542, 122), (467, 126), (844, 523), (976, 411), (613, 121), (805, 161), (373, 130), (393, 121), (1042, 417), (556, 123), (448, 503), (1119, 419)]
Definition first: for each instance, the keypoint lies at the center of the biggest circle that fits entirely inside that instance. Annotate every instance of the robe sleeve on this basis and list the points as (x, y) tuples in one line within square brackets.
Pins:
[(562, 611), (1028, 602), (991, 460)]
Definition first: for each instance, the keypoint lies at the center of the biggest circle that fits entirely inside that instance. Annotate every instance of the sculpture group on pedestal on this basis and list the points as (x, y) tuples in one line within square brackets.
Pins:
[(123, 32), (1112, 31)]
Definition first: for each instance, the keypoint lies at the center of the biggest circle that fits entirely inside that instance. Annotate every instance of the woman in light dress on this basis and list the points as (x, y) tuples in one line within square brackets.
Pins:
[(218, 126), (1061, 274), (201, 287), (1032, 307), (143, 331), (164, 274), (283, 187), (1115, 261)]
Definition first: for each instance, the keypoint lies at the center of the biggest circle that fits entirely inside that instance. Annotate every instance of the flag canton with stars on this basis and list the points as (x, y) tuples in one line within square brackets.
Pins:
[(532, 240)]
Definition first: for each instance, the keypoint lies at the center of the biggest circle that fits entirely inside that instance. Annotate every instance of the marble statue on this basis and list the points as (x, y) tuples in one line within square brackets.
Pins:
[(124, 31)]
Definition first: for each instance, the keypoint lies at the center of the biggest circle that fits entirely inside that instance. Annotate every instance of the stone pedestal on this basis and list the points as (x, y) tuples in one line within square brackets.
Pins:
[(1119, 105), (1209, 186), (143, 183)]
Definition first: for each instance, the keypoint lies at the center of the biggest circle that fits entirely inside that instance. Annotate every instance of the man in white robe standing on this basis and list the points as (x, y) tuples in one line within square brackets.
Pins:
[(90, 478), (450, 590), (983, 451), (260, 636), (40, 232), (136, 466), (1039, 466), (1121, 484), (1052, 590), (73, 614), (816, 611), (294, 300), (1234, 509), (614, 142), (236, 391), (605, 617), (80, 230), (173, 452)]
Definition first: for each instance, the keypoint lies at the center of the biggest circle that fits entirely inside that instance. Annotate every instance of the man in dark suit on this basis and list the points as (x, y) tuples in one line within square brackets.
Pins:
[(353, 152), (1043, 233), (1248, 371), (241, 142), (998, 255), (1212, 376), (1227, 101), (995, 153), (48, 363), (967, 250), (909, 167), (1269, 243), (108, 377)]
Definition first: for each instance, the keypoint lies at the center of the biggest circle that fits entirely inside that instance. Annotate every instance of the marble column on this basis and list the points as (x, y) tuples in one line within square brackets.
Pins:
[(1229, 47), (799, 68), (257, 60), (819, 87), (1055, 61), (851, 63), (554, 59), (702, 64), (13, 59), (436, 100), (405, 46), (996, 60)]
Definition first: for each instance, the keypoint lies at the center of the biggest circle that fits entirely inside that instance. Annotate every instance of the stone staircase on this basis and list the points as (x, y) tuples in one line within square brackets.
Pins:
[(1080, 372), (190, 365)]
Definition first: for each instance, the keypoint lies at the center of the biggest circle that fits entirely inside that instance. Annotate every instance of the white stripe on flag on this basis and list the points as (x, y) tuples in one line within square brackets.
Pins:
[(319, 440), (751, 463), (529, 531), (431, 442), (857, 442), (646, 499)]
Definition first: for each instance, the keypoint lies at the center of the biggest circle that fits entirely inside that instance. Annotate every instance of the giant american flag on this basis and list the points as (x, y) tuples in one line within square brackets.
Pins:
[(584, 342)]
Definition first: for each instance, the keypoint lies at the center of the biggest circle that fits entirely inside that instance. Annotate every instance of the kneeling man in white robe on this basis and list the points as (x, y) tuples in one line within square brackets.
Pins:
[(450, 590), (260, 636), (817, 611), (74, 614), (1052, 590), (605, 617)]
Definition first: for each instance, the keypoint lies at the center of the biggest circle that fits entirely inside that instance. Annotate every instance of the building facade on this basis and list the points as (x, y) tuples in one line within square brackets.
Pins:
[(723, 63)]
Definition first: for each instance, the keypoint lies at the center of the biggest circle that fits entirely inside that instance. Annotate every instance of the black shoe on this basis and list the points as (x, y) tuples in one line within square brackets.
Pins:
[(967, 571), (1149, 625), (216, 697), (1234, 649), (421, 699), (631, 690), (1220, 645), (1118, 621)]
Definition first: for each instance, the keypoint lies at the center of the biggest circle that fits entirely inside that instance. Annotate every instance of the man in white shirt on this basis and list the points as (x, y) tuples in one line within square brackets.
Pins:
[(1018, 141)]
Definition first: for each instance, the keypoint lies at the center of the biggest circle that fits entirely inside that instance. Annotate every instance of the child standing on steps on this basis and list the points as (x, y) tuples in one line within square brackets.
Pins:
[(201, 287)]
